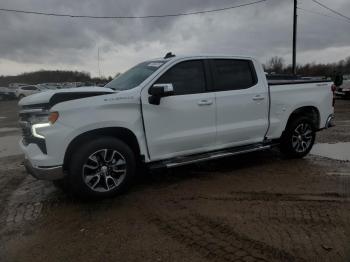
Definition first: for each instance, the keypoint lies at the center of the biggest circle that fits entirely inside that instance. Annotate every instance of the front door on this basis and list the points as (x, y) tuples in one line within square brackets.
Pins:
[(183, 123)]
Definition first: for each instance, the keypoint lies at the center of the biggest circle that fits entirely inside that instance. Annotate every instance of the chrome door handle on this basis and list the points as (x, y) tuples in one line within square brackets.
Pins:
[(205, 102), (258, 98)]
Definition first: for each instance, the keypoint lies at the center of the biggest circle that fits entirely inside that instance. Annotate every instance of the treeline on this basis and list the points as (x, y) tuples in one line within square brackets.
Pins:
[(56, 76), (277, 65)]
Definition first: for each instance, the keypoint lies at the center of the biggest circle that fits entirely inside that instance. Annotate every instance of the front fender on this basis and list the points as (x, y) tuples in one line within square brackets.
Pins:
[(106, 111)]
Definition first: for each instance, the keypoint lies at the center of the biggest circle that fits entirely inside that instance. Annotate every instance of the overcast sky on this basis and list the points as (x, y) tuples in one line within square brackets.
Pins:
[(30, 42)]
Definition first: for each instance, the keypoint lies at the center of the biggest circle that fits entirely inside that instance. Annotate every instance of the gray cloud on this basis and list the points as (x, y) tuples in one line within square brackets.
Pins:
[(29, 42)]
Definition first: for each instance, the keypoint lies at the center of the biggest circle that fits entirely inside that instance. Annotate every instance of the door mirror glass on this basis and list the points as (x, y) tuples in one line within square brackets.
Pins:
[(157, 91)]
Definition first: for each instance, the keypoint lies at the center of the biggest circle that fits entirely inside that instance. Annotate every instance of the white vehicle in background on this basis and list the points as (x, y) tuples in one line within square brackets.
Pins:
[(49, 86), (7, 93), (168, 112), (28, 90)]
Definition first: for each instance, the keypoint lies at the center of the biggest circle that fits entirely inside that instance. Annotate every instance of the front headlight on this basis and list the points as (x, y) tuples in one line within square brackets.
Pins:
[(35, 128), (41, 121)]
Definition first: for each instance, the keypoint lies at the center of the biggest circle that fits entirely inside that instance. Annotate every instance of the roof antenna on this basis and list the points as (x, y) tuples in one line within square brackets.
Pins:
[(169, 55)]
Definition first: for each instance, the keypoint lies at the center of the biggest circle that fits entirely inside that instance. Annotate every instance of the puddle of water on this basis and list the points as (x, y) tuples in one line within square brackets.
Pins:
[(338, 173), (9, 146), (342, 123), (8, 129), (338, 151)]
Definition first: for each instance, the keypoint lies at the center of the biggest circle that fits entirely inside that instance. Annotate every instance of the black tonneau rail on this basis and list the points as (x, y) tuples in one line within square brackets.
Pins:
[(298, 81)]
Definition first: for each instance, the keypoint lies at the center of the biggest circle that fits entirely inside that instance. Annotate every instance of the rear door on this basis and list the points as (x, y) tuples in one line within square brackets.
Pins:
[(183, 123), (242, 102)]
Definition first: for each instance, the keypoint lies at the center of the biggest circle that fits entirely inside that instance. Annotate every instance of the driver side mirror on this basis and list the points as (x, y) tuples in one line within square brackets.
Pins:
[(157, 91)]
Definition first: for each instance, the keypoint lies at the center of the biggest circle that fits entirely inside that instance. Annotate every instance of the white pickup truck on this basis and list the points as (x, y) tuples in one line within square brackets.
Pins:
[(164, 113)]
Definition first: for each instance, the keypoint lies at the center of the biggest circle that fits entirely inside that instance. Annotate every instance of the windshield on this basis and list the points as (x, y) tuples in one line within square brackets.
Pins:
[(134, 76)]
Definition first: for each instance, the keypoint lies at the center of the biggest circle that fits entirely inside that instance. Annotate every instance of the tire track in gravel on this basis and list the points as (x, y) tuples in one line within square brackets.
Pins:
[(10, 179), (315, 209), (26, 201), (277, 227), (217, 241)]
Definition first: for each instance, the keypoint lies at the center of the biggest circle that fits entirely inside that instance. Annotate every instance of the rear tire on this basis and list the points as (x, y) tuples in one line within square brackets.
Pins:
[(298, 138), (101, 168)]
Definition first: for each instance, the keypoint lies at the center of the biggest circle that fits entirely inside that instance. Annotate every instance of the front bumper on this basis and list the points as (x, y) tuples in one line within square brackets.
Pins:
[(44, 173)]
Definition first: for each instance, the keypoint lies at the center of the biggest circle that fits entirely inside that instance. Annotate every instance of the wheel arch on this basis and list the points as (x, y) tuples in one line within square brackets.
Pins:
[(124, 134), (311, 112)]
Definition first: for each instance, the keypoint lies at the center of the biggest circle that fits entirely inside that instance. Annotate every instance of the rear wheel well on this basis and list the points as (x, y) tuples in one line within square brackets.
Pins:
[(310, 112), (123, 134)]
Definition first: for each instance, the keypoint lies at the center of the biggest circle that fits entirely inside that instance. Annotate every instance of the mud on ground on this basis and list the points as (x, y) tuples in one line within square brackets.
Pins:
[(253, 207)]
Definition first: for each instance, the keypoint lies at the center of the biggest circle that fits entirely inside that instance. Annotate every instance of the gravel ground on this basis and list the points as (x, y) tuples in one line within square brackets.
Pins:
[(253, 207)]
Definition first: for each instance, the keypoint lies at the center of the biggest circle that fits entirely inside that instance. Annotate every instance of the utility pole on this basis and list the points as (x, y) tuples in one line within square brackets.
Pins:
[(98, 62), (295, 23)]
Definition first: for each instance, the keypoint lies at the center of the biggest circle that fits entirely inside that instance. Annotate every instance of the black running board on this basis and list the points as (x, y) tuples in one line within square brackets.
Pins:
[(190, 159)]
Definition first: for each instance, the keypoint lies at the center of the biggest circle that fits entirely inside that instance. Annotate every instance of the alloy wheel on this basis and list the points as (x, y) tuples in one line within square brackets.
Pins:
[(104, 170), (302, 137)]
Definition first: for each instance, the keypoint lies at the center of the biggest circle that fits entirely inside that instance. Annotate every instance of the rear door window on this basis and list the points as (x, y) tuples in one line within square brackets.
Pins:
[(233, 74)]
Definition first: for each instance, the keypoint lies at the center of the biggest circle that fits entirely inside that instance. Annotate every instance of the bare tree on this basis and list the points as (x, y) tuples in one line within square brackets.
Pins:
[(275, 65)]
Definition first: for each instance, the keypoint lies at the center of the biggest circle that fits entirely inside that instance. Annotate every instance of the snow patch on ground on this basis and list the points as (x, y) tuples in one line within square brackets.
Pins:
[(8, 129), (338, 151)]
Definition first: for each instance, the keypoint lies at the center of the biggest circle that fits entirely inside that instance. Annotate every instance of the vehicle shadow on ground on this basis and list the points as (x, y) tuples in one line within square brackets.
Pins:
[(146, 179)]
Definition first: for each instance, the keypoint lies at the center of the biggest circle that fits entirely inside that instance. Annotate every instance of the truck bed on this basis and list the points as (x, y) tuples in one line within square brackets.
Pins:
[(288, 95)]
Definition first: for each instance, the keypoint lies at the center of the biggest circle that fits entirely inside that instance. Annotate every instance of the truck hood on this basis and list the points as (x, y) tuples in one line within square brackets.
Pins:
[(51, 97)]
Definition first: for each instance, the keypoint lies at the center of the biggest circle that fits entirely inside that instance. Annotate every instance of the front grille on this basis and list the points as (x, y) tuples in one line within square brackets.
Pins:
[(26, 134), (28, 138), (25, 127)]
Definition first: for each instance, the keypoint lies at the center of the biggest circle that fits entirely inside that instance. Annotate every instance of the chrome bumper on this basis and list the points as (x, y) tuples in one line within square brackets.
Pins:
[(342, 93), (44, 173), (329, 122)]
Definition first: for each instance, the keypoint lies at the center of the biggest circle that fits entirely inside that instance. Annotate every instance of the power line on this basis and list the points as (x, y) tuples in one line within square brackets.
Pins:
[(321, 14), (330, 9), (129, 17)]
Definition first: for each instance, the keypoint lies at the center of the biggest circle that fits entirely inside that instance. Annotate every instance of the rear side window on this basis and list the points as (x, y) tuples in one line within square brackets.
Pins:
[(232, 74), (187, 77)]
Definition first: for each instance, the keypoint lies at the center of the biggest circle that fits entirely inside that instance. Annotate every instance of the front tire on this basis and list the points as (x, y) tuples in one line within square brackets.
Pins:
[(101, 168), (298, 138)]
